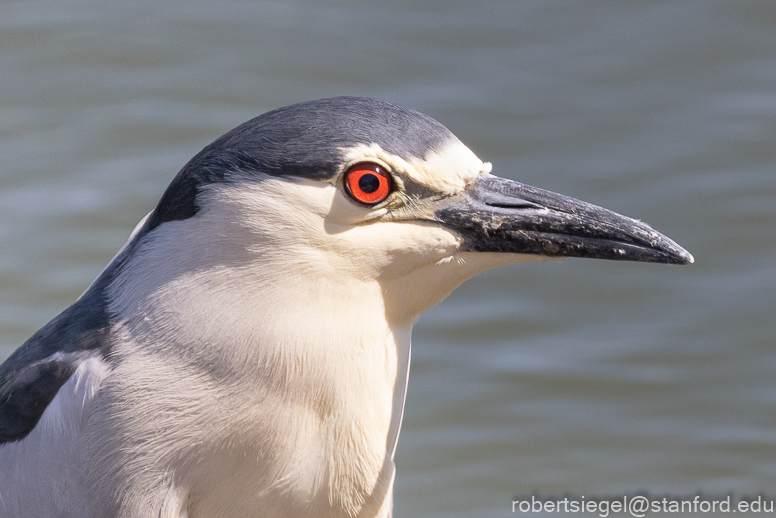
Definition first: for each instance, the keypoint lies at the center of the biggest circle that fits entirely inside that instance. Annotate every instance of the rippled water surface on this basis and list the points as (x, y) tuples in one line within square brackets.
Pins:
[(572, 377)]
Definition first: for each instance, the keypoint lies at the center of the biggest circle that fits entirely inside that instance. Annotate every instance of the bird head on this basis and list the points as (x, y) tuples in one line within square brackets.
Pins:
[(344, 192)]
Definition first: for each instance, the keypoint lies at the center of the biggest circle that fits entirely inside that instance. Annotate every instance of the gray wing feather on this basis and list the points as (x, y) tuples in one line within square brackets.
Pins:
[(34, 373)]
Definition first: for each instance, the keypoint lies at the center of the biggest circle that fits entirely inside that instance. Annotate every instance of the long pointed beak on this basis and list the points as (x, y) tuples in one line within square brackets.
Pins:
[(500, 215)]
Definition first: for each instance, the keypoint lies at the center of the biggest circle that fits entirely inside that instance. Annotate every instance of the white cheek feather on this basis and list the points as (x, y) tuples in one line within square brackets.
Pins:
[(448, 170)]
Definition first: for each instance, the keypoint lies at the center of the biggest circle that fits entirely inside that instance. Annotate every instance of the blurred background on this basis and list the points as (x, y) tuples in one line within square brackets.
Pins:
[(570, 377)]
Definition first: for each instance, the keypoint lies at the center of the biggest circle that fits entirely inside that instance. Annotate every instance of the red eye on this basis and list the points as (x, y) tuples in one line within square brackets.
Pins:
[(368, 183)]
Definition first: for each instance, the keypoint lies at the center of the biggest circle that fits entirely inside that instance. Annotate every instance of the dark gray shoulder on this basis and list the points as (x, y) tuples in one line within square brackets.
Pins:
[(302, 140), (34, 373)]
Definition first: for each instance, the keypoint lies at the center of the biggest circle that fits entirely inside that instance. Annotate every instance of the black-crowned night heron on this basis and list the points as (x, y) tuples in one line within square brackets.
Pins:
[(246, 353)]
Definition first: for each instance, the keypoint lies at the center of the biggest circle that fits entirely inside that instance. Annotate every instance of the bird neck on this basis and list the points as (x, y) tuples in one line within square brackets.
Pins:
[(322, 358)]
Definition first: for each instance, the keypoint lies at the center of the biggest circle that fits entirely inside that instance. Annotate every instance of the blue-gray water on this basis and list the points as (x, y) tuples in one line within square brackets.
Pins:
[(573, 377)]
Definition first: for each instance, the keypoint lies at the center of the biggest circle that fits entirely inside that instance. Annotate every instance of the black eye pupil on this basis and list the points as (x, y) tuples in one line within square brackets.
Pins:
[(369, 183)]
